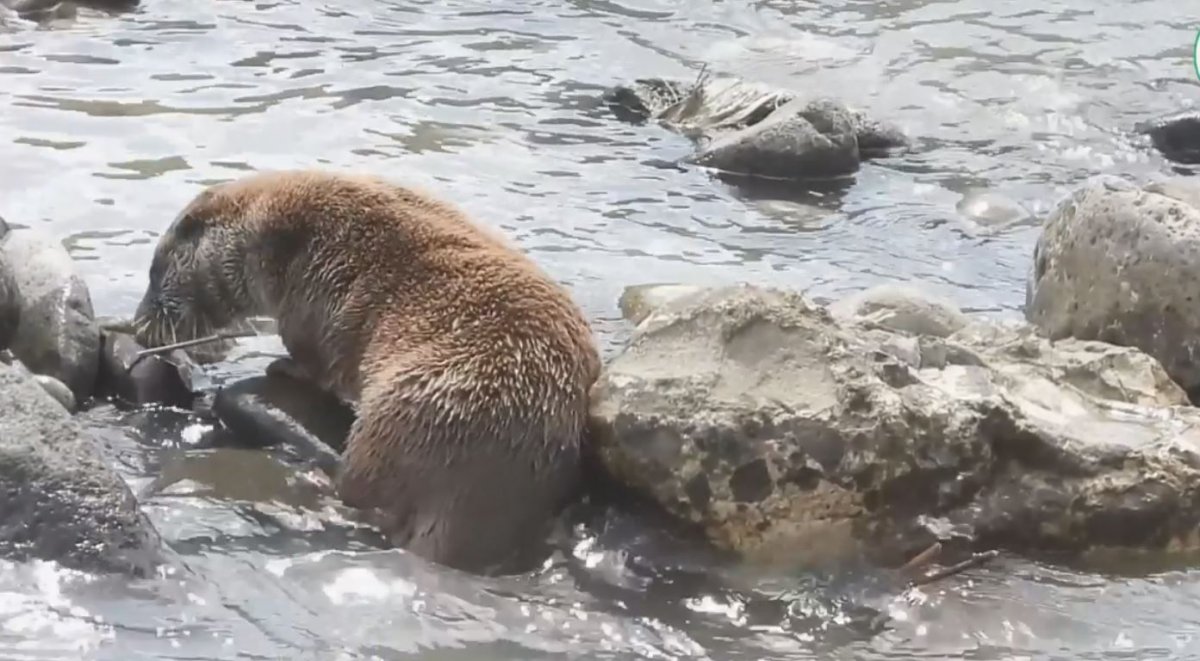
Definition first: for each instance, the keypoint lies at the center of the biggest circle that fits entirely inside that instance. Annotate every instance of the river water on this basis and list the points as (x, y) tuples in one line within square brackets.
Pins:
[(112, 123)]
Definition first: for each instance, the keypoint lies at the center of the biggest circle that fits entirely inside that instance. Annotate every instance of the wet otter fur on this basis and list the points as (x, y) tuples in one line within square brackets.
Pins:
[(467, 366)]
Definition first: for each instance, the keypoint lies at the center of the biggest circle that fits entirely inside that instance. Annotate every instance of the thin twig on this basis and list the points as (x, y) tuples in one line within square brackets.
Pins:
[(168, 348), (945, 572)]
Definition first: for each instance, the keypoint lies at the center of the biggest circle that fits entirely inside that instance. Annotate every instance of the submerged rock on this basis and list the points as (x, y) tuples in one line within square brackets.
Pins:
[(1117, 263), (57, 334), (61, 500), (1177, 136), (757, 416), (750, 129), (158, 379)]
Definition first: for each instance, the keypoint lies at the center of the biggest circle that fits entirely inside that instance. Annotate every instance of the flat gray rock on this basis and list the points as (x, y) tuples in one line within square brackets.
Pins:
[(901, 308), (57, 334), (62, 501)]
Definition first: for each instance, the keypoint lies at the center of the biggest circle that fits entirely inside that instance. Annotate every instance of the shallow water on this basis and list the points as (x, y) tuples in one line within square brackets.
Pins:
[(113, 123)]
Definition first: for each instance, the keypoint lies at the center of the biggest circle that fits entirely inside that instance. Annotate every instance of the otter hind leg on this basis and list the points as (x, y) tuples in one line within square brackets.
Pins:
[(474, 511)]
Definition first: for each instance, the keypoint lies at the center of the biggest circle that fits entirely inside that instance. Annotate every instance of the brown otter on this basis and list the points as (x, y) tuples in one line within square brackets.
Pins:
[(468, 367)]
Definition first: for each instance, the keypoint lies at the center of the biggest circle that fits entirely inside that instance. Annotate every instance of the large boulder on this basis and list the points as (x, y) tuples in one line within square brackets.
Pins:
[(10, 298), (1117, 263), (57, 334), (755, 415), (61, 501), (751, 129)]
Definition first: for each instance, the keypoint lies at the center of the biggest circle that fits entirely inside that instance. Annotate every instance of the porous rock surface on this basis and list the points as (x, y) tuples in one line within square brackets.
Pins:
[(1118, 263), (57, 333), (59, 499), (757, 416), (751, 129)]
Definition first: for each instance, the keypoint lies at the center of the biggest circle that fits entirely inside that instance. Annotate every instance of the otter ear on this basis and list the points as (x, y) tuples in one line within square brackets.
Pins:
[(189, 224)]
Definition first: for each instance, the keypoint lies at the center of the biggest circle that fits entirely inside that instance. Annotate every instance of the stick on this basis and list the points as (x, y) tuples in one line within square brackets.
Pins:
[(921, 559), (168, 348), (973, 561)]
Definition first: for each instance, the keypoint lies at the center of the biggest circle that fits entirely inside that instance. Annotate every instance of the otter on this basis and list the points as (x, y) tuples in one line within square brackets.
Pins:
[(468, 368)]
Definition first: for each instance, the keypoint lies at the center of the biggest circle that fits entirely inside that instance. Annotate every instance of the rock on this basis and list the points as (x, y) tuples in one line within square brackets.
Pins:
[(752, 129), (10, 298), (53, 387), (1177, 136), (638, 300), (57, 334), (158, 379), (44, 10), (758, 417), (797, 141), (901, 308), (1116, 263), (56, 389), (62, 502), (304, 421)]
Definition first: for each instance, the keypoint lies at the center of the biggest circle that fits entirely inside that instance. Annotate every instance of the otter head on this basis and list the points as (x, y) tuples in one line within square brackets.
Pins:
[(197, 277)]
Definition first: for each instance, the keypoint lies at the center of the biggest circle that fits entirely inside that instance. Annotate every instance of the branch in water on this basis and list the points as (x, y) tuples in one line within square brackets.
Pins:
[(973, 561), (168, 348)]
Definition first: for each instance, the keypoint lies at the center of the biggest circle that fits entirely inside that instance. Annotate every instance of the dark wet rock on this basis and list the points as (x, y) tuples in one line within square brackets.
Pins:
[(775, 428), (637, 301), (750, 129), (797, 141), (307, 423), (61, 500), (43, 10), (1177, 136), (167, 379), (903, 308), (57, 334), (1118, 263)]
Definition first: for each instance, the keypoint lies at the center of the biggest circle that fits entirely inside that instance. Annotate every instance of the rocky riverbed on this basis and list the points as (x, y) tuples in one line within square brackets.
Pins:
[(785, 427)]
